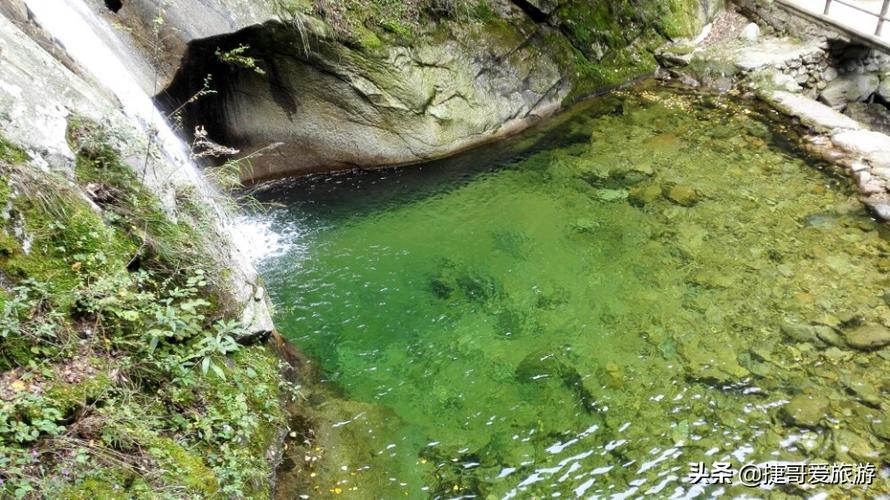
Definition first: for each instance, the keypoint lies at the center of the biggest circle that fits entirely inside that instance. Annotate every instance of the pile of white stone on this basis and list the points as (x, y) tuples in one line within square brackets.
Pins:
[(815, 81)]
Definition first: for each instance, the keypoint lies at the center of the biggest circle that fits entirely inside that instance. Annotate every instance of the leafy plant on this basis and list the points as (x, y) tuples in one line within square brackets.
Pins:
[(238, 57), (222, 342)]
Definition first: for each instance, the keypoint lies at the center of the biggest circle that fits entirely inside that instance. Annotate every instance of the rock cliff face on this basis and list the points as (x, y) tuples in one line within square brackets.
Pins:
[(347, 87)]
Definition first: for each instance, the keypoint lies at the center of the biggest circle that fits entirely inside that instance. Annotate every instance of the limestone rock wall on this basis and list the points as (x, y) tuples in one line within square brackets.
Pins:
[(338, 107), (384, 95)]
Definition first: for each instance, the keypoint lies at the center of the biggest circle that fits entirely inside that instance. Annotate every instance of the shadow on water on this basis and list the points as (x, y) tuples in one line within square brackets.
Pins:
[(347, 193), (372, 188)]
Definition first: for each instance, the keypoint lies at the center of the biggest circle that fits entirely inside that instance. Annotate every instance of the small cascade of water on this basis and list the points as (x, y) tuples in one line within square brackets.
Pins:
[(74, 26), (85, 37)]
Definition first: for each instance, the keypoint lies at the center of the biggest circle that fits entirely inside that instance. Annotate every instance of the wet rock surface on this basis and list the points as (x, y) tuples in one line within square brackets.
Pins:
[(868, 337), (805, 410), (686, 196)]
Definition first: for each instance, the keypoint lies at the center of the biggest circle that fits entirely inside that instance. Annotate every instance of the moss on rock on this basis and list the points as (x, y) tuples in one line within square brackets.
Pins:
[(184, 467)]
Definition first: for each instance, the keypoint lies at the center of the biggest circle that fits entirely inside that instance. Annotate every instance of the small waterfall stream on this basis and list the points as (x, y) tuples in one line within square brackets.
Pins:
[(85, 37), (77, 29)]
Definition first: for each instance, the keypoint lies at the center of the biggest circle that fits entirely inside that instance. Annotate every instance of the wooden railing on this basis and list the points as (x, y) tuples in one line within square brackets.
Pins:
[(882, 17)]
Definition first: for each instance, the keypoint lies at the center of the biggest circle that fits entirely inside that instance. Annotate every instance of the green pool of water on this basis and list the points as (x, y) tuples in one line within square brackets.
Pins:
[(584, 310)]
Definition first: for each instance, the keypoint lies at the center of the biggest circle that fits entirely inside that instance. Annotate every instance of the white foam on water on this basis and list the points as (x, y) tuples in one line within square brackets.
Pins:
[(256, 239)]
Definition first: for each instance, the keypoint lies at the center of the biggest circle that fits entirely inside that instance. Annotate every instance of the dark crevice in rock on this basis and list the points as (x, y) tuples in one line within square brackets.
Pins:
[(202, 68), (554, 89), (114, 5), (536, 14)]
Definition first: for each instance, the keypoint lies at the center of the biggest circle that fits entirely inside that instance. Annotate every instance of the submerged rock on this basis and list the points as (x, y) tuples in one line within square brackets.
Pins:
[(682, 195), (456, 282), (611, 194), (614, 178), (799, 333), (866, 392), (868, 337), (815, 334), (858, 448), (828, 335), (588, 226), (641, 196), (881, 428), (540, 366), (716, 365), (805, 410)]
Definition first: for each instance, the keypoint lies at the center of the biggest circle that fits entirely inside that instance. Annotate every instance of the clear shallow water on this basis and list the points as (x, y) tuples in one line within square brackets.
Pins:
[(584, 318)]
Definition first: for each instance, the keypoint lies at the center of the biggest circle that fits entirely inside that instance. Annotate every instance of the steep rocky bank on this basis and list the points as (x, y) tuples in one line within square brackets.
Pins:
[(133, 357)]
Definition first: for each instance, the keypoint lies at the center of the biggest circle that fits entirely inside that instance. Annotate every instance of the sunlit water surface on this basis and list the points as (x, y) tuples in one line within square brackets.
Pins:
[(582, 311)]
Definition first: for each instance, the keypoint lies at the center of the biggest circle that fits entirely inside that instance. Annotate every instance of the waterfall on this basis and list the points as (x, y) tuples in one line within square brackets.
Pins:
[(83, 35), (77, 29)]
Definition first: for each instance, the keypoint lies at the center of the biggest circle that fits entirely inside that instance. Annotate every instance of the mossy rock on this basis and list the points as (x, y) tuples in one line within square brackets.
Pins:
[(10, 153), (805, 410), (93, 488), (184, 466), (682, 195), (69, 395)]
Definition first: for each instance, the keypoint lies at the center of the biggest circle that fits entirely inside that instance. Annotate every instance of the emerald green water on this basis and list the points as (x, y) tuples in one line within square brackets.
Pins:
[(582, 311)]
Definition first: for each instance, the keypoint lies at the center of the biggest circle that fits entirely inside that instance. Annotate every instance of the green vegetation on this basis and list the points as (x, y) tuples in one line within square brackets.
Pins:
[(598, 44), (603, 44), (362, 23), (239, 57), (120, 375)]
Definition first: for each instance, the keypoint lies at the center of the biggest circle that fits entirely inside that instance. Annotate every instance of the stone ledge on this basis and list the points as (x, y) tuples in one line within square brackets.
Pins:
[(811, 113)]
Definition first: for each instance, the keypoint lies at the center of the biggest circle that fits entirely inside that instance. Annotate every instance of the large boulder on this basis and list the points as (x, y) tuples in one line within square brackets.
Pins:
[(338, 107), (338, 92), (849, 88)]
